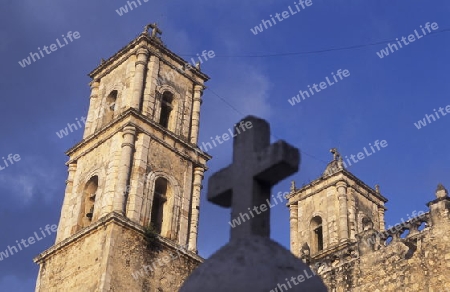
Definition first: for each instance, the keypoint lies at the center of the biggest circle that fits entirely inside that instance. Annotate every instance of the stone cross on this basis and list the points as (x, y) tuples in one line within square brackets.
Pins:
[(251, 261), (335, 153), (154, 27), (245, 185)]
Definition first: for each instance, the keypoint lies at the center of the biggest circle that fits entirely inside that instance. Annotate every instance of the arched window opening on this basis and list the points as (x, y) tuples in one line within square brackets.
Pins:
[(166, 109), (422, 226), (89, 194), (110, 107), (367, 224), (388, 240), (159, 200), (317, 234)]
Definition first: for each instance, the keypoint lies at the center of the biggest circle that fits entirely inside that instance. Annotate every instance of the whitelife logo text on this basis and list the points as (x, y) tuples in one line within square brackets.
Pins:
[(49, 49)]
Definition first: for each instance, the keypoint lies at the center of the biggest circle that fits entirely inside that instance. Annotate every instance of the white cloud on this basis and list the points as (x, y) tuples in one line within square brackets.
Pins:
[(246, 88), (36, 179)]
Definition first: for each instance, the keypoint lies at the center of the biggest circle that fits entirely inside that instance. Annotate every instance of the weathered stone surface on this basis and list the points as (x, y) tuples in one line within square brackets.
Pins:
[(366, 260), (256, 264), (114, 255)]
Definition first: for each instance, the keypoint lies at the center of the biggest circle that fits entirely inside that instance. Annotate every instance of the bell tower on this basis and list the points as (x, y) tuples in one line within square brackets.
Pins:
[(129, 220), (328, 214)]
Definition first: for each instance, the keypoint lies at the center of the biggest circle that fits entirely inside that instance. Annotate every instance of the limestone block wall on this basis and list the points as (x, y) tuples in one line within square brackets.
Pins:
[(161, 161), (113, 254), (78, 264), (103, 162), (342, 202), (119, 79), (139, 267), (323, 204), (418, 262), (159, 74), (183, 89)]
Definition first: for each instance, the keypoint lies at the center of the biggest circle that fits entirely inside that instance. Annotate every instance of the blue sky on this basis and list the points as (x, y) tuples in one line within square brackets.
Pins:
[(380, 100)]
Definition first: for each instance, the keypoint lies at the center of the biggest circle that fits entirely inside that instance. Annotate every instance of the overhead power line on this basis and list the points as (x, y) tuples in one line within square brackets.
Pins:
[(312, 52), (239, 112), (299, 53)]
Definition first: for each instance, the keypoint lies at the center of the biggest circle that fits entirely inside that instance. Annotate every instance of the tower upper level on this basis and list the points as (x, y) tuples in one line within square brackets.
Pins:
[(149, 79), (329, 212)]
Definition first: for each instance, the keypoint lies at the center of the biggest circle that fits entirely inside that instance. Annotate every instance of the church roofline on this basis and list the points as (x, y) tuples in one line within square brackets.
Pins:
[(322, 178), (152, 41)]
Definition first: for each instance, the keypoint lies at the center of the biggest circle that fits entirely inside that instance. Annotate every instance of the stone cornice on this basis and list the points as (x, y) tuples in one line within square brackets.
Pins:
[(446, 199), (341, 247), (110, 218), (332, 180), (125, 119), (155, 48)]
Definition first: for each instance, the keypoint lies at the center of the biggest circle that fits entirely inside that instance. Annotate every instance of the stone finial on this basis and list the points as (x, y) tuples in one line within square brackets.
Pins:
[(293, 188), (340, 163), (155, 29), (335, 153), (251, 261), (305, 253), (335, 165), (305, 249), (441, 191), (377, 189)]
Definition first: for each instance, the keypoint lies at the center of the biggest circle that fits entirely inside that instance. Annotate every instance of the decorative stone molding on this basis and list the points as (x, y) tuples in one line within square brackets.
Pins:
[(111, 218)]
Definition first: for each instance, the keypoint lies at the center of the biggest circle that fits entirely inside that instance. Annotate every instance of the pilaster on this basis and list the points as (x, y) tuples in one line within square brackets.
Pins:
[(343, 219), (129, 133), (138, 178), (138, 88), (63, 228), (195, 208), (293, 220), (93, 107), (198, 91)]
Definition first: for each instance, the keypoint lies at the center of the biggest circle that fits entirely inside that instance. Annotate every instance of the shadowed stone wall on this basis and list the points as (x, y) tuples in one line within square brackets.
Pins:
[(388, 261), (114, 254)]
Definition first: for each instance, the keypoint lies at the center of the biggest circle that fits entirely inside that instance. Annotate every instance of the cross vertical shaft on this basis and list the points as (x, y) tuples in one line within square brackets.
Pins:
[(246, 184)]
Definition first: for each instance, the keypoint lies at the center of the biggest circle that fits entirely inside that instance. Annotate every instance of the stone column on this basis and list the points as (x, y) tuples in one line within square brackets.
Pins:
[(129, 134), (343, 221), (195, 210), (152, 84), (138, 88), (381, 218), (198, 91), (352, 215), (137, 181), (93, 107), (64, 221), (293, 220), (330, 236)]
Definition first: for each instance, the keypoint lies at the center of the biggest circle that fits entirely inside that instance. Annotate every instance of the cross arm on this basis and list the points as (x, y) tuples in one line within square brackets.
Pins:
[(220, 187), (277, 162)]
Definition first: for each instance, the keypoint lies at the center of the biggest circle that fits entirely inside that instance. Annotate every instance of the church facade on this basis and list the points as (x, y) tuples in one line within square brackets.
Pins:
[(129, 220), (337, 227)]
